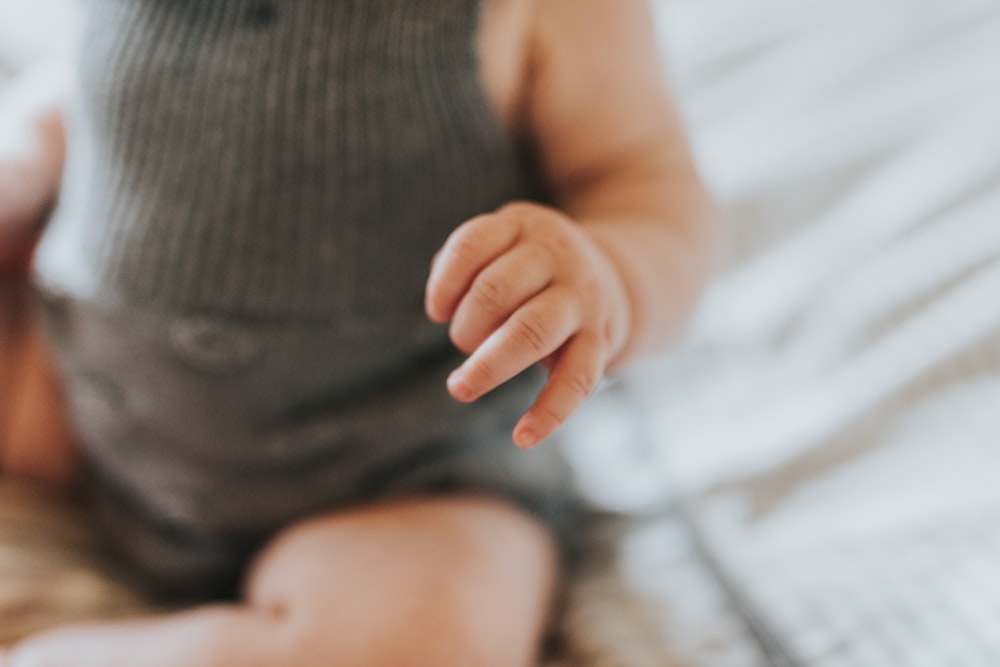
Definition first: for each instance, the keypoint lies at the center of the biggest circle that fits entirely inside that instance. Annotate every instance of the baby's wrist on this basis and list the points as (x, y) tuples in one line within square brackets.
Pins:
[(620, 327)]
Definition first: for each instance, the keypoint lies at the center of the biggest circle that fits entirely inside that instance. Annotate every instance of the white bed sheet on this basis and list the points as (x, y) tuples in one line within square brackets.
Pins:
[(833, 418)]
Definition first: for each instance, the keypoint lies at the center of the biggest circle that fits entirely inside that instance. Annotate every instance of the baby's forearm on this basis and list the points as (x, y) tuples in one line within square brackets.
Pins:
[(663, 273), (614, 156), (658, 227)]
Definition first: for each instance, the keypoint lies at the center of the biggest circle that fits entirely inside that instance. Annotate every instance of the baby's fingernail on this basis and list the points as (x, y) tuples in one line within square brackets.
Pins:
[(458, 388), (526, 439)]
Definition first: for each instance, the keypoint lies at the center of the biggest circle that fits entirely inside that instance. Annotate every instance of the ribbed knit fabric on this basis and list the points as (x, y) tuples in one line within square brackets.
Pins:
[(246, 157), (234, 277)]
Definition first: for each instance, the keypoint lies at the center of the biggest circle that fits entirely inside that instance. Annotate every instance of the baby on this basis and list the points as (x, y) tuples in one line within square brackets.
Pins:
[(306, 262)]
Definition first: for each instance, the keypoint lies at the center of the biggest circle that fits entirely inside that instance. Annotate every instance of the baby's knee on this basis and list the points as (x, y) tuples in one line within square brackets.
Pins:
[(427, 584)]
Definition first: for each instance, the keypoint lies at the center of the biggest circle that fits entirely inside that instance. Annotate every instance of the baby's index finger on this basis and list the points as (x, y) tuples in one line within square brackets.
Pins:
[(534, 332), (466, 252)]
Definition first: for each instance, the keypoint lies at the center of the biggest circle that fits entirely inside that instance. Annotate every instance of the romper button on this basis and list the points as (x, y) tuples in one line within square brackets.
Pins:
[(213, 346), (100, 404)]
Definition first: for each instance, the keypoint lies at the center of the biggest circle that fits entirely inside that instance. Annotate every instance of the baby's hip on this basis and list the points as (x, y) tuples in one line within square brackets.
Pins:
[(188, 529)]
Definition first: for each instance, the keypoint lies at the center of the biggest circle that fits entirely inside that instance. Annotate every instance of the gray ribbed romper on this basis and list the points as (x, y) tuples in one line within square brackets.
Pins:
[(233, 280)]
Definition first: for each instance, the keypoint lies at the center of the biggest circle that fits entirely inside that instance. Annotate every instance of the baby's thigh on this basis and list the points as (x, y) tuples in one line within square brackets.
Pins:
[(462, 580)]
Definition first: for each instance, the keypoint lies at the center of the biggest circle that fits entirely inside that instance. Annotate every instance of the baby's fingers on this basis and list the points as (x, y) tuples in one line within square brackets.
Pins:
[(574, 377), (496, 293), (470, 248), (535, 331)]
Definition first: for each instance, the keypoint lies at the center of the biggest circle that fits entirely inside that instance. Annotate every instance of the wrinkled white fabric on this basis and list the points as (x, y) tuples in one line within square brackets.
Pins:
[(834, 414)]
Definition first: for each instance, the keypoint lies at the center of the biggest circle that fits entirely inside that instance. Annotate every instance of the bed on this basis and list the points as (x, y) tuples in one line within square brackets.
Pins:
[(832, 422)]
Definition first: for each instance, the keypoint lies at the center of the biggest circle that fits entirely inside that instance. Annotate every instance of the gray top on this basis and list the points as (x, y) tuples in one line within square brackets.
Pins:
[(296, 160), (235, 272)]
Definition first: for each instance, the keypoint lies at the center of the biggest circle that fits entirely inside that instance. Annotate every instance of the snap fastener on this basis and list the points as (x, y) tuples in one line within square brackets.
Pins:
[(213, 346)]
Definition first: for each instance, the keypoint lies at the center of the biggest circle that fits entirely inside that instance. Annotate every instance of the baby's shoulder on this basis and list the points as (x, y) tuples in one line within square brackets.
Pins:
[(504, 42)]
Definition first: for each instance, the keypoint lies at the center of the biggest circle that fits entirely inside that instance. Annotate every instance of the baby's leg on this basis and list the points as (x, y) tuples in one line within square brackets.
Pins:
[(36, 440), (451, 582)]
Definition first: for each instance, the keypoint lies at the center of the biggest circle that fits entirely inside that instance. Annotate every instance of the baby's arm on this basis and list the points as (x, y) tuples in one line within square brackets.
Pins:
[(615, 271), (35, 438)]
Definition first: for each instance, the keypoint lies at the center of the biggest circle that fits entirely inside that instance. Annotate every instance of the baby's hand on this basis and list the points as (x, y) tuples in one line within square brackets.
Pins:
[(525, 285), (32, 148)]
